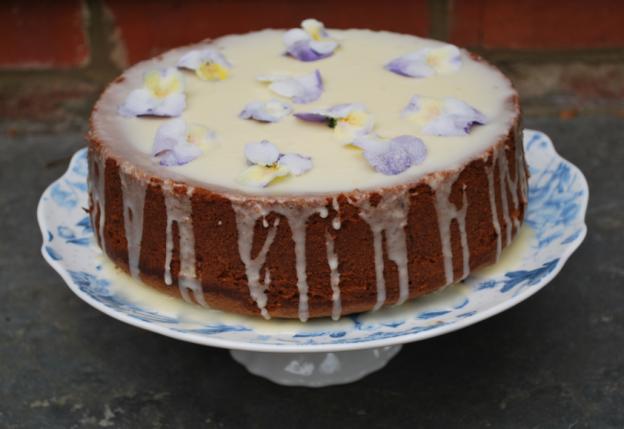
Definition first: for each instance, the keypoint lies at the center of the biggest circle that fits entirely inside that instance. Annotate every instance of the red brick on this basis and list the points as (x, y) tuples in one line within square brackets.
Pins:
[(538, 24), (149, 28), (467, 23), (42, 34)]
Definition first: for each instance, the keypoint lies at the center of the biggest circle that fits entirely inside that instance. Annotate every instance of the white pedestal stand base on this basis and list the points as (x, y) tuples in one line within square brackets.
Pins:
[(315, 369)]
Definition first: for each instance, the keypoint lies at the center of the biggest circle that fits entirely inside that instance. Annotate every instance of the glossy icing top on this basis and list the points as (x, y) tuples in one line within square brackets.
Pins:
[(353, 74)]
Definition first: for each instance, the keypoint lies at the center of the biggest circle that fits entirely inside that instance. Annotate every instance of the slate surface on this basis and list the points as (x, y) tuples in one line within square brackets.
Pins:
[(554, 361)]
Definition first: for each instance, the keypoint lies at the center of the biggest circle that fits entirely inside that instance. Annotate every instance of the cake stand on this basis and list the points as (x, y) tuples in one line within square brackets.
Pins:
[(324, 352)]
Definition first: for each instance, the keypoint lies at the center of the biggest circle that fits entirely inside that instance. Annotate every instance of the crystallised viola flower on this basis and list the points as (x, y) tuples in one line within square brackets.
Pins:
[(272, 111), (427, 62), (302, 89), (394, 156), (266, 163), (179, 145), (309, 43), (448, 117), (162, 95), (208, 64), (349, 121)]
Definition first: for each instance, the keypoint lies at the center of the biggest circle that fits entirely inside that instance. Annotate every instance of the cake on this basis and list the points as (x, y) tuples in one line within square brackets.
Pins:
[(414, 212)]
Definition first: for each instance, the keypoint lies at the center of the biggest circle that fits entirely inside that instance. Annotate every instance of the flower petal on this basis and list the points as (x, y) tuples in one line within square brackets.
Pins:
[(310, 44), (323, 48), (201, 136), (169, 135), (141, 102), (183, 153), (316, 115), (413, 64), (177, 145), (357, 123), (303, 51), (445, 60), (448, 117), (393, 157), (264, 153), (294, 36), (297, 164), (162, 95), (209, 64), (348, 120), (260, 175), (163, 82), (427, 62), (302, 89), (191, 60), (273, 111)]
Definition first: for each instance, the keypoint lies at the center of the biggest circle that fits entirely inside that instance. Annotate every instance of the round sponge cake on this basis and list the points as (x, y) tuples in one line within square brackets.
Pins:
[(339, 239)]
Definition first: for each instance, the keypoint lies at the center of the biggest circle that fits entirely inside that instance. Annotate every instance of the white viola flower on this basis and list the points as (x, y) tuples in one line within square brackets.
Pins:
[(448, 117), (272, 111), (309, 43), (266, 163), (349, 121), (302, 89), (179, 145), (394, 156), (427, 62), (162, 95), (208, 64)]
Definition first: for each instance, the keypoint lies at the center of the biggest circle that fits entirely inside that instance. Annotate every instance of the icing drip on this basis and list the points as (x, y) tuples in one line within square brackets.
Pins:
[(447, 211), (133, 191), (179, 210), (336, 221), (246, 218), (389, 216), (332, 259), (503, 168), (490, 174), (506, 182), (298, 219), (97, 193), (246, 221)]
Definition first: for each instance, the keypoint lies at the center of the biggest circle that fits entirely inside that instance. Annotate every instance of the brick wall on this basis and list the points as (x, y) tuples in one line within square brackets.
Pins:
[(56, 56)]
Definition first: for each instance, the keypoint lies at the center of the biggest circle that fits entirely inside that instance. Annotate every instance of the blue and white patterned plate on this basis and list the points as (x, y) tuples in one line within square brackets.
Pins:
[(558, 201)]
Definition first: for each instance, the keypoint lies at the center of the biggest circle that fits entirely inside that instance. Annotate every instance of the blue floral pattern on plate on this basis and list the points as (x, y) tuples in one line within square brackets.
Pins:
[(558, 196)]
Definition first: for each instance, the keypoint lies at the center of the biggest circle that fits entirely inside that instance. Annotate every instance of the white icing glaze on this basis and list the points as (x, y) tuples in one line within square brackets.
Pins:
[(389, 216), (332, 260), (506, 182), (354, 73), (179, 210), (246, 218), (97, 194), (447, 211), (133, 191)]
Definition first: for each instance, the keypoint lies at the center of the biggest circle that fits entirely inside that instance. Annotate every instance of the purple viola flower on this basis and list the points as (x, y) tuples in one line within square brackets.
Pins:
[(266, 163), (179, 145), (162, 95), (272, 111), (309, 43), (448, 117), (209, 64), (302, 89), (427, 62), (349, 121), (392, 157)]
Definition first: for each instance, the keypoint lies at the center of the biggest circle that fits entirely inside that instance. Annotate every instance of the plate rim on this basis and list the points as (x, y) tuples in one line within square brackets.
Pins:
[(570, 248)]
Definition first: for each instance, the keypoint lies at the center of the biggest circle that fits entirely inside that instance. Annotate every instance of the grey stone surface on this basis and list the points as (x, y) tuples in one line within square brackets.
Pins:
[(554, 361)]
